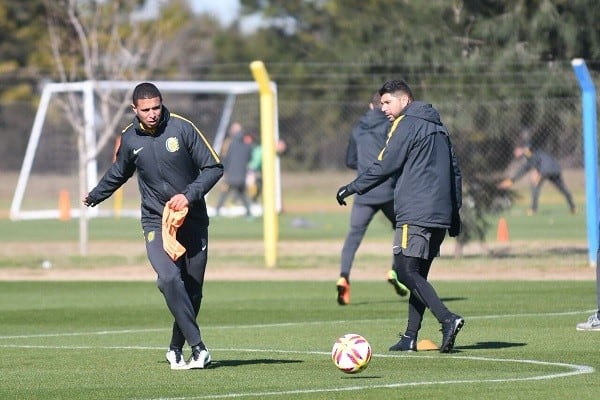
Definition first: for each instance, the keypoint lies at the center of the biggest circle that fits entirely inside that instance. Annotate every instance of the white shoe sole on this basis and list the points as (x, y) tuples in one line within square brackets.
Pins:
[(203, 361), (170, 356)]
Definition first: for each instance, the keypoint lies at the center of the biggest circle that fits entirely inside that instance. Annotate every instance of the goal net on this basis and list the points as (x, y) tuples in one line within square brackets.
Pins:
[(49, 184)]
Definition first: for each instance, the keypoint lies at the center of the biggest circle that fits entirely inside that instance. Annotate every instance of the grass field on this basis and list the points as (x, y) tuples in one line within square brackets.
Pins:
[(106, 340), (92, 340)]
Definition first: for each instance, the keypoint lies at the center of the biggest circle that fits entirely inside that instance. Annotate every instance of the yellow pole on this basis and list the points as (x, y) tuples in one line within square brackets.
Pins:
[(118, 202), (267, 138)]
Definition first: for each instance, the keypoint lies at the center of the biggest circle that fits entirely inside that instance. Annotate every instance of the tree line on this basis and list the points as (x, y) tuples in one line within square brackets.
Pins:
[(327, 57)]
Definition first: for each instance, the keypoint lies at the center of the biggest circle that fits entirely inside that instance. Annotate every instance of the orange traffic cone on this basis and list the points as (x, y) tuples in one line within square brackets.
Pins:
[(502, 233), (64, 205)]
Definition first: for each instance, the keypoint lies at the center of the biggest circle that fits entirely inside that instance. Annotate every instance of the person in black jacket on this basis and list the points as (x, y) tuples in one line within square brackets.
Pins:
[(427, 199), (176, 167), (236, 154), (542, 166), (366, 141)]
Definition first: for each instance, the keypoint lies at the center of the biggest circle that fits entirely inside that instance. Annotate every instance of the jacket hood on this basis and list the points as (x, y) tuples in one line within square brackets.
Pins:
[(372, 119), (424, 111)]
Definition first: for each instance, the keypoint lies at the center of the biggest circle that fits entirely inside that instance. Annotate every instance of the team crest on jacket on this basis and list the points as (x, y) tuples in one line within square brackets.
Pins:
[(150, 237), (172, 144)]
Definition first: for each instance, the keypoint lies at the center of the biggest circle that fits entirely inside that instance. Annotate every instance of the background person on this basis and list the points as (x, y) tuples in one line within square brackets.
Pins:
[(543, 166), (366, 141), (176, 167), (593, 321), (427, 199), (236, 154), (254, 178)]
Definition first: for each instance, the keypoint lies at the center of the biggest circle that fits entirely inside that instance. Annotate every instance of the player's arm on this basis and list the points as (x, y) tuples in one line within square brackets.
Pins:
[(207, 161), (386, 166), (390, 162), (118, 173), (351, 154), (455, 224)]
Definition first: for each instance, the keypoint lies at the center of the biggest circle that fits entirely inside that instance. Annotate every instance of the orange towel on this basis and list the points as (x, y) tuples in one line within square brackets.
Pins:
[(171, 221)]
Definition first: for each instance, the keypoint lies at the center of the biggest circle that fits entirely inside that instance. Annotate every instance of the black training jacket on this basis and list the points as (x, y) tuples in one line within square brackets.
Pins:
[(428, 190), (367, 139), (176, 158)]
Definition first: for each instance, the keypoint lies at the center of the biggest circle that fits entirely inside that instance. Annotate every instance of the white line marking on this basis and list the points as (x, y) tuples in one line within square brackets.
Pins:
[(284, 324), (573, 370)]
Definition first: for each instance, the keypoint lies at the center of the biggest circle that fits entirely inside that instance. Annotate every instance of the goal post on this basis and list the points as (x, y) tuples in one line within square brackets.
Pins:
[(51, 168)]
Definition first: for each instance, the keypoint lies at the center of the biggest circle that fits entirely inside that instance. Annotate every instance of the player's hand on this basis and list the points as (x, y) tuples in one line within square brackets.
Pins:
[(89, 201), (178, 202), (505, 184), (342, 193), (455, 226)]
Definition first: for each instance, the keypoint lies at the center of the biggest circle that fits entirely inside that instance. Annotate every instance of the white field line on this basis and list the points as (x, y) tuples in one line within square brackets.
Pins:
[(278, 325), (572, 369)]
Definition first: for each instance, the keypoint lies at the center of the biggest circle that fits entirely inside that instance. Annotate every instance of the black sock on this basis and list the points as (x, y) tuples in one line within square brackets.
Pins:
[(199, 346)]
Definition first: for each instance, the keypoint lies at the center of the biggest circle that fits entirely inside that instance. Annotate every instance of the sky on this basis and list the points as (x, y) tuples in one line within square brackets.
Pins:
[(224, 10)]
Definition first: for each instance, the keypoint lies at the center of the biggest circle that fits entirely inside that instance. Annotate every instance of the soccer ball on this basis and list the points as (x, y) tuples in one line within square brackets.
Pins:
[(351, 353)]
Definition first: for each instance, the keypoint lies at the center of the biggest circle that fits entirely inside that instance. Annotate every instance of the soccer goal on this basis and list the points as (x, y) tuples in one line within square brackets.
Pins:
[(52, 180)]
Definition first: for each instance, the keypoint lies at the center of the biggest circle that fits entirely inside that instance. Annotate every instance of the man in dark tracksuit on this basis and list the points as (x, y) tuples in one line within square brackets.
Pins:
[(366, 141), (427, 199), (236, 156), (176, 167), (543, 166)]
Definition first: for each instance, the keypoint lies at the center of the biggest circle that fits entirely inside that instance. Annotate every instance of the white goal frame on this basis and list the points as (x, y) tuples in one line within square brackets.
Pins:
[(229, 88)]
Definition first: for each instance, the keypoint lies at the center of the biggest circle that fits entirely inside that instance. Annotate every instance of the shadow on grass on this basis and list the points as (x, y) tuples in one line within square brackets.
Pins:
[(237, 363), (356, 376), (489, 345), (401, 300)]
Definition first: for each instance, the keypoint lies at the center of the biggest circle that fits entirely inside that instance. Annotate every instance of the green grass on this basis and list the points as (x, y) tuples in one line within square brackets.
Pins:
[(100, 340), (553, 222)]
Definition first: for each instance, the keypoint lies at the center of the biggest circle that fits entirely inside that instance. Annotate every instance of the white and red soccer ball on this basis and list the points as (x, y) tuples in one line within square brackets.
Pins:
[(351, 353)]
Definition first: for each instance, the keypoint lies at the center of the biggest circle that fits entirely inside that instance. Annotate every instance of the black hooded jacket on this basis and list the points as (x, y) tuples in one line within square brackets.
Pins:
[(176, 158), (367, 139), (419, 153)]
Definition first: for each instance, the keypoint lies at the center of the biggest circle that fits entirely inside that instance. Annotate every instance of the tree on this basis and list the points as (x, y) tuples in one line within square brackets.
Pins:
[(93, 40), (485, 62), (22, 31)]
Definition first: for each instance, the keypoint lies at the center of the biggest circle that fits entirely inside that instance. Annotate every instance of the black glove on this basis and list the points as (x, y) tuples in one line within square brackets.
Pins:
[(89, 201), (455, 225), (342, 193)]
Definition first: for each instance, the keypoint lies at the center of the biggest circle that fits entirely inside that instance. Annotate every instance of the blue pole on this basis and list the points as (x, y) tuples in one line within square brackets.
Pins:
[(590, 149)]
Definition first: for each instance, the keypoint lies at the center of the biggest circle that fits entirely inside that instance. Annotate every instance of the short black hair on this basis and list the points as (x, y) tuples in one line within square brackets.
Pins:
[(145, 90), (395, 86), (376, 100)]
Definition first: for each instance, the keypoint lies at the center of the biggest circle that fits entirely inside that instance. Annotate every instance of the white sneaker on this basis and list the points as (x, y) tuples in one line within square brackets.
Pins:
[(592, 323), (200, 359), (175, 359)]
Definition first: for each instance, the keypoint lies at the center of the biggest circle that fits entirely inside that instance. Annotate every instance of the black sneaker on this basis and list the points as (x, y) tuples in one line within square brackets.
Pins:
[(200, 358), (406, 343), (450, 329)]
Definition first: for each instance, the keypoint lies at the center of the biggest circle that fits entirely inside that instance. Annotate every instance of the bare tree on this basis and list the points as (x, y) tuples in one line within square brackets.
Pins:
[(93, 40)]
